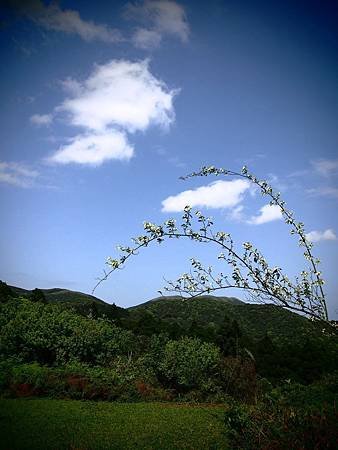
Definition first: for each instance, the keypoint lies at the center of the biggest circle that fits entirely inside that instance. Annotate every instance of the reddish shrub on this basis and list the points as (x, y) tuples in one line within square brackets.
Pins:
[(23, 390), (77, 382)]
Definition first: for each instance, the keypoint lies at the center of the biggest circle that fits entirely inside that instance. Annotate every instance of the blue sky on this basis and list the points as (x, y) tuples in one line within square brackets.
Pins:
[(106, 104)]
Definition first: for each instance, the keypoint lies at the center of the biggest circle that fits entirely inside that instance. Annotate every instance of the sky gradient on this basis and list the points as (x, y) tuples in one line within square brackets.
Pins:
[(105, 105)]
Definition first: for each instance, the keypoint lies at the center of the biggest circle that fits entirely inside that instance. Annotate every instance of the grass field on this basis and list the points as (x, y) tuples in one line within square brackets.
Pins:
[(34, 424)]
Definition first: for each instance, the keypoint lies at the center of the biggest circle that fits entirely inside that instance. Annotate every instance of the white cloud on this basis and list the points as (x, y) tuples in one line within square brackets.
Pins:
[(117, 99), (163, 17), (120, 93), (17, 174), (94, 149), (324, 191), (41, 119), (316, 236), (267, 213), (220, 194), (325, 167), (52, 17)]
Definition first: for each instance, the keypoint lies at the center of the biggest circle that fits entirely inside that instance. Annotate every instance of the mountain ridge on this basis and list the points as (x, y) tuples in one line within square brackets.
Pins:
[(256, 320)]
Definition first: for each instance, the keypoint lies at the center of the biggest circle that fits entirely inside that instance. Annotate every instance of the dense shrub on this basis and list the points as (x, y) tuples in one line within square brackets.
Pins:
[(293, 416), (74, 380), (6, 292), (190, 363), (49, 334), (239, 379)]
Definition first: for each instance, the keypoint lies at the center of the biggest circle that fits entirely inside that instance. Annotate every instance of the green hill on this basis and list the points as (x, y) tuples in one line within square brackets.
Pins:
[(60, 295), (82, 303), (256, 320)]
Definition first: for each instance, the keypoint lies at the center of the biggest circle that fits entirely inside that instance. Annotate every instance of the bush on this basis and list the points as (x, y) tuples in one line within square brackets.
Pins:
[(239, 379), (284, 422), (49, 334), (190, 363)]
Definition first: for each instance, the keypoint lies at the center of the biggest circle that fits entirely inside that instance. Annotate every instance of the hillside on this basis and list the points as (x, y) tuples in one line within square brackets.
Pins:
[(169, 298), (83, 303), (256, 320), (60, 295)]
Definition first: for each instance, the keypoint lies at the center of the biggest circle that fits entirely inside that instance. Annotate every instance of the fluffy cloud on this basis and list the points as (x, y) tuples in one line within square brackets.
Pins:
[(17, 174), (94, 149), (220, 194), (161, 18), (120, 93), (52, 17), (119, 98), (325, 167), (267, 213), (316, 236), (41, 119)]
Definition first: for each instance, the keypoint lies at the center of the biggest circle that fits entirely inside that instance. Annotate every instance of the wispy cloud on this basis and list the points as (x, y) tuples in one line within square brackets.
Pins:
[(17, 174), (156, 19), (174, 160), (220, 194), (52, 17), (316, 236), (323, 191), (325, 167), (41, 119), (119, 98), (267, 213), (146, 39), (159, 18), (237, 214)]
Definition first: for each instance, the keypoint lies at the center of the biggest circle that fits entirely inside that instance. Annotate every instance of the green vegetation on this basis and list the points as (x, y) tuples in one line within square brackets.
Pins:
[(273, 373), (82, 303), (209, 311), (56, 424)]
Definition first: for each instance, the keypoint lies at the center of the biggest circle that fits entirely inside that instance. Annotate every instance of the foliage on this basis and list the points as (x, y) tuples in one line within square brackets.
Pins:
[(5, 292), (189, 363), (291, 417), (37, 296), (203, 355), (239, 378), (249, 269), (49, 334), (209, 311)]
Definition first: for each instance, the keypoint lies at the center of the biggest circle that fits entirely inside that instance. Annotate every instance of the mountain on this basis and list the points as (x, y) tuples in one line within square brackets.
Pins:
[(82, 303), (60, 295), (256, 320), (168, 298)]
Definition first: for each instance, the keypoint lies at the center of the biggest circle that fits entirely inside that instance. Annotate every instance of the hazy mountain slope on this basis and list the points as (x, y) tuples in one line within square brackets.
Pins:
[(169, 298), (83, 303), (60, 295)]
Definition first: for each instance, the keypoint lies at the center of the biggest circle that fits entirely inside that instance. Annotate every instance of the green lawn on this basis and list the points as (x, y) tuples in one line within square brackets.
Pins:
[(45, 424)]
